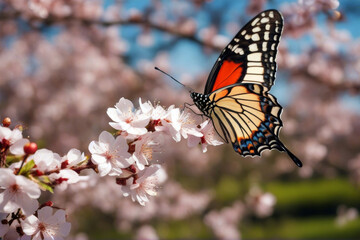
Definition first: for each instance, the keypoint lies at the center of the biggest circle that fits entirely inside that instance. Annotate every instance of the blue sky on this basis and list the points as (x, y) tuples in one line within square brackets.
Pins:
[(188, 57)]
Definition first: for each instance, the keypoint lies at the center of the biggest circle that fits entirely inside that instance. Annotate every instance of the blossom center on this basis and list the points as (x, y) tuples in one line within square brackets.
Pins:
[(14, 188), (147, 151), (41, 227), (108, 156), (50, 229), (128, 120), (149, 186)]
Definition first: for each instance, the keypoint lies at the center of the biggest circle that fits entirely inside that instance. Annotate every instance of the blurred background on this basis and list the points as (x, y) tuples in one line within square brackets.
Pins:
[(64, 62)]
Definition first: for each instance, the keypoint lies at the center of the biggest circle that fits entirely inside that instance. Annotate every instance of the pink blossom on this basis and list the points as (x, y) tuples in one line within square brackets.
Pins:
[(19, 192), (65, 177), (171, 124), (145, 184), (13, 138), (261, 203), (145, 146), (345, 215), (46, 160), (110, 154), (155, 113), (189, 125), (224, 222), (73, 158), (47, 225), (208, 137), (146, 233), (126, 120)]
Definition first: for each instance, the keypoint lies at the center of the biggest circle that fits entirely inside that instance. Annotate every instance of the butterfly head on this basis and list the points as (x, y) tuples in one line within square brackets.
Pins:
[(202, 102)]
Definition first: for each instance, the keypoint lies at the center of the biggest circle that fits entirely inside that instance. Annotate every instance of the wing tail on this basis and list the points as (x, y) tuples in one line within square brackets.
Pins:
[(291, 155)]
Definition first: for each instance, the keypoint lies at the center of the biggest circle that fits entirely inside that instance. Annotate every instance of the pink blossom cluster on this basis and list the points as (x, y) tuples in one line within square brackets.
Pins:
[(24, 173), (129, 155), (224, 222), (56, 8), (300, 16)]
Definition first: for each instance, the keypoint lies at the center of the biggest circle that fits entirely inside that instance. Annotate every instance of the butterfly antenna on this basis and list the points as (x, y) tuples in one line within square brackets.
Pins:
[(187, 88)]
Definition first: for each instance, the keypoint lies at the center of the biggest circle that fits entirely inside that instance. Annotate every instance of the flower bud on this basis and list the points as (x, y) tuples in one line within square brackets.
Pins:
[(6, 122), (30, 148)]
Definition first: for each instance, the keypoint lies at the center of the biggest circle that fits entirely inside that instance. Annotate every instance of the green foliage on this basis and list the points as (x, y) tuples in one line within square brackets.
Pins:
[(10, 159), (98, 225), (192, 228), (43, 182), (227, 190), (26, 168), (308, 228), (307, 209), (313, 196)]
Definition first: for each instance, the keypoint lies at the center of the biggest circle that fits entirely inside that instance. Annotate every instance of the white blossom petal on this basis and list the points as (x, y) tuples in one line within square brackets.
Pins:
[(18, 147), (29, 226)]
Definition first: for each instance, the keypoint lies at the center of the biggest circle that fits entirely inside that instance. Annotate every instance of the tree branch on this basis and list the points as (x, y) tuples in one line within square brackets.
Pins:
[(166, 27)]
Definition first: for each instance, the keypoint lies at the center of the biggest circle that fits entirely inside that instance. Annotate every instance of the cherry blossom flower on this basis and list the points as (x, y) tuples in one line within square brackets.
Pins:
[(146, 232), (209, 137), (47, 225), (9, 136), (126, 119), (224, 222), (66, 175), (20, 192), (110, 154), (13, 138), (155, 113), (189, 125), (345, 215), (46, 160), (145, 184), (171, 124), (145, 146), (261, 203), (72, 158)]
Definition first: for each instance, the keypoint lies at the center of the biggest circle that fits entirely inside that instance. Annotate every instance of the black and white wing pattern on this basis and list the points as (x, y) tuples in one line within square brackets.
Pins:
[(250, 56)]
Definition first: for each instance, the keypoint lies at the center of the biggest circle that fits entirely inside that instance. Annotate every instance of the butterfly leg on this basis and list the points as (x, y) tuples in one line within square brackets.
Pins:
[(188, 106)]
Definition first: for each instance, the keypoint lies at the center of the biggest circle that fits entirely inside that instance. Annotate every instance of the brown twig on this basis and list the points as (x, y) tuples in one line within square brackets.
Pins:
[(165, 27)]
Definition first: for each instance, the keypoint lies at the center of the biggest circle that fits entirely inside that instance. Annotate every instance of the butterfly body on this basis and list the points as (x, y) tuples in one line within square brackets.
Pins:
[(236, 96), (203, 102)]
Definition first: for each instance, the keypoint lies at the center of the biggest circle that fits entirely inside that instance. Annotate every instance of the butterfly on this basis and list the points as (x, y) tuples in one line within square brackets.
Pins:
[(236, 96)]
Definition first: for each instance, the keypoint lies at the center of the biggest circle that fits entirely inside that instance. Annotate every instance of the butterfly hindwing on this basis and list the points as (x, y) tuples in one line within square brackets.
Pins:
[(248, 117), (250, 56)]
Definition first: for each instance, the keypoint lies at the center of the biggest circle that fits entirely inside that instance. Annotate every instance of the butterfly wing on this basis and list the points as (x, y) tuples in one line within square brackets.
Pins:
[(249, 117), (250, 56)]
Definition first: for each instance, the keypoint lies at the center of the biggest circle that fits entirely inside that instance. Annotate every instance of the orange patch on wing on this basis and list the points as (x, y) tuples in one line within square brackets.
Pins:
[(220, 94), (229, 73), (251, 136)]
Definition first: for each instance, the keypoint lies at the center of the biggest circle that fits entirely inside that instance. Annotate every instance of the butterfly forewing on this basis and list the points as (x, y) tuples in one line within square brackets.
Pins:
[(250, 56)]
